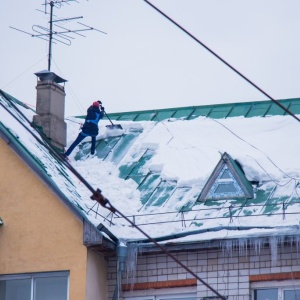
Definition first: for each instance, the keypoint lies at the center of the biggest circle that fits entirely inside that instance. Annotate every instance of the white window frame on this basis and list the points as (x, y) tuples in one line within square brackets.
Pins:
[(33, 276), (280, 285), (170, 296)]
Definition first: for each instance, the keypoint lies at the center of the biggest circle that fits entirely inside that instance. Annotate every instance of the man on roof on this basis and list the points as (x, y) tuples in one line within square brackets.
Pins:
[(90, 127)]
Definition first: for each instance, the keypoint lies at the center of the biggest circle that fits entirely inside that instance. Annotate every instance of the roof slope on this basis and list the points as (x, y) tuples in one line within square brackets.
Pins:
[(154, 170)]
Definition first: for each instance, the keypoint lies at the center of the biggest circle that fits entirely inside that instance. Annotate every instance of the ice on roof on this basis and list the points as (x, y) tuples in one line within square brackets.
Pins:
[(185, 152)]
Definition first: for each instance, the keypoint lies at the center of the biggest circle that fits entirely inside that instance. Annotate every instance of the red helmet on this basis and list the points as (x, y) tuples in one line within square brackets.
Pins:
[(96, 103)]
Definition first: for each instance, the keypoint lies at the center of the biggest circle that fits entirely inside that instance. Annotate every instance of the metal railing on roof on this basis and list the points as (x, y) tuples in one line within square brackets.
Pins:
[(228, 213)]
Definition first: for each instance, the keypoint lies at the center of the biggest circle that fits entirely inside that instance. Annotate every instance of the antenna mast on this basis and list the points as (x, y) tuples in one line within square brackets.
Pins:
[(50, 35), (64, 35)]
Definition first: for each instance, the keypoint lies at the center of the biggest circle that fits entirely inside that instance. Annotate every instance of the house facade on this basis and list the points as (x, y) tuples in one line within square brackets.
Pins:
[(253, 266), (42, 240), (242, 271), (231, 234)]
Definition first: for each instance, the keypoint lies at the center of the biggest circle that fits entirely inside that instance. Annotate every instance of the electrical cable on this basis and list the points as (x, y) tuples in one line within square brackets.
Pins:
[(104, 202), (7, 84), (48, 146), (273, 180), (97, 196), (222, 60), (253, 147), (288, 176), (74, 96)]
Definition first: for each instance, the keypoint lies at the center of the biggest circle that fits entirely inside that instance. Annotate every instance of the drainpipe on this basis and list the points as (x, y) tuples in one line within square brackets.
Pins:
[(121, 258)]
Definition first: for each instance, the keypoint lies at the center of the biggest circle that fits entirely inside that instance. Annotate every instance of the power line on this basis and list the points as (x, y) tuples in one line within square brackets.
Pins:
[(22, 73), (104, 202), (74, 96), (97, 195), (222, 60)]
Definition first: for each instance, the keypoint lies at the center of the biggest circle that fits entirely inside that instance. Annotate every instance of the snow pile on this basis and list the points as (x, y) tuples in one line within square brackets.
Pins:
[(186, 152)]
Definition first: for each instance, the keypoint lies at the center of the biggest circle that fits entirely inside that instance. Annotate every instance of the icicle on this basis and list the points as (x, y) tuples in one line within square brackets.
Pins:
[(258, 243), (243, 243), (297, 244), (273, 242), (131, 263), (295, 240), (227, 247)]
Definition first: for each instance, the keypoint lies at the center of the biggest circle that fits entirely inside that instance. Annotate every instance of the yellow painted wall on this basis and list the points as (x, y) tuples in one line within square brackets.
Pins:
[(39, 233), (96, 282)]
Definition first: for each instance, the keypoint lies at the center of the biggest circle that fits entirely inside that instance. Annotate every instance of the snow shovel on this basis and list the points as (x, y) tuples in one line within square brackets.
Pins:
[(112, 126)]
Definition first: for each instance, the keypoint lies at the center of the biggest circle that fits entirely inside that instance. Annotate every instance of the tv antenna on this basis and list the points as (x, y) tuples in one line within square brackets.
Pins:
[(62, 34)]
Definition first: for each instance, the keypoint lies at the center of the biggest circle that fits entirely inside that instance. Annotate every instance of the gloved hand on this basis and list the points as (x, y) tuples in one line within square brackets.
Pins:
[(102, 108)]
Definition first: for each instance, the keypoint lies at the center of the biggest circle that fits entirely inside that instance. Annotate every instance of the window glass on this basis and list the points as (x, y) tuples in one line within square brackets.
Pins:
[(15, 289), (35, 286), (188, 296), (292, 294), (225, 188), (226, 174), (184, 298), (141, 298), (266, 294), (51, 288)]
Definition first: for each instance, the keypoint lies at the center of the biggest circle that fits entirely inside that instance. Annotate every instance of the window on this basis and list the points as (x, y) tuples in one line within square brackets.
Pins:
[(225, 186), (167, 297), (270, 294), (263, 294), (35, 286), (227, 181), (288, 290)]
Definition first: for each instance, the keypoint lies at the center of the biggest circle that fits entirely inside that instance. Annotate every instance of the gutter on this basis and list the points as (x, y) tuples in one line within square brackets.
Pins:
[(214, 229)]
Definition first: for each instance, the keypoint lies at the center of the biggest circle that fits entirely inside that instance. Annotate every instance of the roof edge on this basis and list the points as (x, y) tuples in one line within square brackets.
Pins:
[(259, 102), (34, 166)]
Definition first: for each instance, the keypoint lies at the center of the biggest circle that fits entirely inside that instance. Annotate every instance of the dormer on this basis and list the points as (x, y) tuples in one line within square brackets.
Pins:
[(227, 181)]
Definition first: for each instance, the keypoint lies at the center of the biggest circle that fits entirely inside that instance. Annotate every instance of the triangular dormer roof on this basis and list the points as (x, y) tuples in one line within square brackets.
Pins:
[(227, 181)]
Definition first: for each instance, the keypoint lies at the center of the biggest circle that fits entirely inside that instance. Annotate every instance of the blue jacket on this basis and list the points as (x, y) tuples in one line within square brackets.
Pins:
[(90, 126)]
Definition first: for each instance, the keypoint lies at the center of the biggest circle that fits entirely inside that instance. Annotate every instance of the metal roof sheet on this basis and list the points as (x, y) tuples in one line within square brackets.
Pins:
[(157, 192), (245, 109)]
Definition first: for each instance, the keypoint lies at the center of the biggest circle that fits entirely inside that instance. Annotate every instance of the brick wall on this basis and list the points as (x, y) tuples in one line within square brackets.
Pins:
[(230, 273)]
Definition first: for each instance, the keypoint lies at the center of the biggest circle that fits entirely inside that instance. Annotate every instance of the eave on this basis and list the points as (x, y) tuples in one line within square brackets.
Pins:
[(28, 159)]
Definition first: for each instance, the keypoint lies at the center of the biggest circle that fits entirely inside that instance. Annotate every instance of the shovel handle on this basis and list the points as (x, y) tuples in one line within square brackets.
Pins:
[(108, 118)]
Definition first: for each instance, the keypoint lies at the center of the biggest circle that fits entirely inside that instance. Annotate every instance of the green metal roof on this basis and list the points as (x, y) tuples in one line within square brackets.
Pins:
[(155, 191), (216, 111), (158, 192)]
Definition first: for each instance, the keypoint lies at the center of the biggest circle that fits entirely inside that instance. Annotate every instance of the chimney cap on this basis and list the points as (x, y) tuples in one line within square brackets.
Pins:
[(47, 75)]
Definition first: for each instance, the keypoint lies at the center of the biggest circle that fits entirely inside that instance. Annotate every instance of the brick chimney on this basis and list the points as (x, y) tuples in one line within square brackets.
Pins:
[(50, 108)]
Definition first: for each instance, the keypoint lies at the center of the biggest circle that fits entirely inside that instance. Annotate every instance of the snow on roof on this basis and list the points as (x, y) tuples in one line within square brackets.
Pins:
[(167, 163)]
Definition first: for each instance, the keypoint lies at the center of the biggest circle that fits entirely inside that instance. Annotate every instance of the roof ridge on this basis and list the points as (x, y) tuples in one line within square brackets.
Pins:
[(224, 110)]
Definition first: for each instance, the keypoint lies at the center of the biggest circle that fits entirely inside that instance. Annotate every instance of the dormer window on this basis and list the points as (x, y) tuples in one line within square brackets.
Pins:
[(227, 181), (225, 186)]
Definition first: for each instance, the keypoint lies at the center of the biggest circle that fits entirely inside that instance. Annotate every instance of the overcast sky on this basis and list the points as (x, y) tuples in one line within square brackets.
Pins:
[(145, 62)]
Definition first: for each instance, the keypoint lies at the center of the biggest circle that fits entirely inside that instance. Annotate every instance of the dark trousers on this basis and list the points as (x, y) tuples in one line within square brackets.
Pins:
[(78, 140)]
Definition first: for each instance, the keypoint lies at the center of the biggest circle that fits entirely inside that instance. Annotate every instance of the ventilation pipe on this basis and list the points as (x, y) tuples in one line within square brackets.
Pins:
[(50, 108)]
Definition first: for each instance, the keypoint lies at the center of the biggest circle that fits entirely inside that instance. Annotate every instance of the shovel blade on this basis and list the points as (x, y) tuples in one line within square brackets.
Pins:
[(114, 126)]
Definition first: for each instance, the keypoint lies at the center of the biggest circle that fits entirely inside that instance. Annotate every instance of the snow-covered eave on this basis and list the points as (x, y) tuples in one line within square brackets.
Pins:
[(211, 241), (29, 160)]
